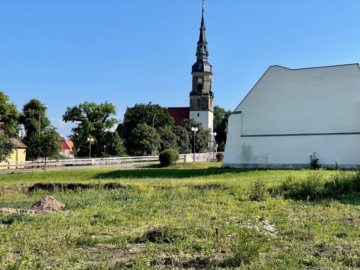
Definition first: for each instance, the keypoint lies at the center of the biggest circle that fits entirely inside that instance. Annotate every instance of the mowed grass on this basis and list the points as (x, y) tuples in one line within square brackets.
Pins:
[(152, 218)]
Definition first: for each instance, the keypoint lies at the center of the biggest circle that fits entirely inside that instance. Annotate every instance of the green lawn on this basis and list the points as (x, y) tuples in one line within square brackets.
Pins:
[(153, 218)]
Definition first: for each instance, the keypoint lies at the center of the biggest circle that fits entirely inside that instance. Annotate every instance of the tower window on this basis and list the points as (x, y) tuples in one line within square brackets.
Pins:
[(198, 114), (200, 84), (199, 102)]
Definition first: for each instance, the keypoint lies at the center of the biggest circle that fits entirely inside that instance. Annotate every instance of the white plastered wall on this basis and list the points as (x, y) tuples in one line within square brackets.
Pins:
[(203, 117), (290, 114)]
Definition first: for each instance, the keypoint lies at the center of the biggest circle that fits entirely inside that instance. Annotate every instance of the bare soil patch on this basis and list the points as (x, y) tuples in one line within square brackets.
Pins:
[(46, 205), (124, 256)]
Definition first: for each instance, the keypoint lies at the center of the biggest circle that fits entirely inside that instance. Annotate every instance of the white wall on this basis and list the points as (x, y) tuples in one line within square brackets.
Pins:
[(287, 106), (205, 118)]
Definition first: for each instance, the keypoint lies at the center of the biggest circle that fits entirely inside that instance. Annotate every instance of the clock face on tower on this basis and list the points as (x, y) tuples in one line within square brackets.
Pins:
[(200, 80)]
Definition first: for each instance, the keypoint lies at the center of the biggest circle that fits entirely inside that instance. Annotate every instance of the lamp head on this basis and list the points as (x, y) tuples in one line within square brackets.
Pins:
[(194, 129)]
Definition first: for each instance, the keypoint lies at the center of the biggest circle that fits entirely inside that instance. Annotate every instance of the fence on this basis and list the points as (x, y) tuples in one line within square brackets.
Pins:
[(199, 157)]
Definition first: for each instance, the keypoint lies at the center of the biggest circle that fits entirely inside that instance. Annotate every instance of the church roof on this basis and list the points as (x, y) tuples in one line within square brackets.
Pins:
[(179, 114)]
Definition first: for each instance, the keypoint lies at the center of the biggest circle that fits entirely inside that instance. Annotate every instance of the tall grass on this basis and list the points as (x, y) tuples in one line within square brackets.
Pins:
[(166, 219)]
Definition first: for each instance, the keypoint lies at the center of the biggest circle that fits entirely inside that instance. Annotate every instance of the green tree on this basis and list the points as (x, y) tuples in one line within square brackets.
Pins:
[(45, 146), (9, 115), (146, 139), (150, 114), (202, 136), (113, 145), (182, 139), (220, 125), (167, 137), (92, 120), (34, 119), (6, 146)]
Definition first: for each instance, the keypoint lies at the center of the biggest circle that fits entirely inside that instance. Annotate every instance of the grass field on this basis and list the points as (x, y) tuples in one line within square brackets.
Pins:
[(153, 218)]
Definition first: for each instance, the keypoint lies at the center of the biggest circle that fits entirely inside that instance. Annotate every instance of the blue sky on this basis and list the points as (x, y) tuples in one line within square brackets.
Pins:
[(65, 52)]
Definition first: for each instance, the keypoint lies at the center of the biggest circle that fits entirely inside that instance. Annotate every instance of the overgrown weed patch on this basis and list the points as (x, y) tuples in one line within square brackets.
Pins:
[(167, 220)]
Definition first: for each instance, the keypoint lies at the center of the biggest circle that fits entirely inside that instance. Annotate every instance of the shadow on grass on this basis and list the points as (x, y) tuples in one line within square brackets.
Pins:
[(72, 186), (165, 173)]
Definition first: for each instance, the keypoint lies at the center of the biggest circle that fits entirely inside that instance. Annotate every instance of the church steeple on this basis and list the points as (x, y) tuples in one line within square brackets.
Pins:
[(202, 53), (201, 95)]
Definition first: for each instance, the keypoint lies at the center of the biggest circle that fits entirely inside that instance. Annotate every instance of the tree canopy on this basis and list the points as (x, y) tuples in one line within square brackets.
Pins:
[(167, 138), (220, 125), (202, 136), (93, 121), (9, 115), (34, 119), (113, 145), (182, 139), (149, 114), (6, 147), (46, 145), (146, 140)]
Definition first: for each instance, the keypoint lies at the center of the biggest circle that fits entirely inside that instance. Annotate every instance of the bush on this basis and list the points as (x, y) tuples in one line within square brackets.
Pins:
[(219, 156), (314, 162), (310, 188), (168, 157), (258, 191)]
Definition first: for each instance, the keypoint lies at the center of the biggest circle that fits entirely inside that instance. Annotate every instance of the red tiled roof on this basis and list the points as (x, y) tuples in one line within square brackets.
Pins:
[(64, 145), (70, 144), (178, 113), (18, 143)]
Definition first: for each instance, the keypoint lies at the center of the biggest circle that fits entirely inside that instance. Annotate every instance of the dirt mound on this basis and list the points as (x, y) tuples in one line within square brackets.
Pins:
[(45, 205)]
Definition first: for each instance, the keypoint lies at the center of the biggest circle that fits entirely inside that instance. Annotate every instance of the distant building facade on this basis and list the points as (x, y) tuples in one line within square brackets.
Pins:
[(291, 113), (19, 153)]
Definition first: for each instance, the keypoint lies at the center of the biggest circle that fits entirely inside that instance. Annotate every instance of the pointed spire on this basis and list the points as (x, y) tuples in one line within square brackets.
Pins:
[(202, 27), (201, 51), (202, 65)]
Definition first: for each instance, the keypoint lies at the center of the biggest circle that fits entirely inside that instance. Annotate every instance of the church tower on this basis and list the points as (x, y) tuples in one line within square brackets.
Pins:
[(201, 96)]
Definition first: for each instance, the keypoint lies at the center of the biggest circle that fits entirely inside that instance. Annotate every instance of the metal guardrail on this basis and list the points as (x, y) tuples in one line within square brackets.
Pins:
[(77, 162), (199, 157)]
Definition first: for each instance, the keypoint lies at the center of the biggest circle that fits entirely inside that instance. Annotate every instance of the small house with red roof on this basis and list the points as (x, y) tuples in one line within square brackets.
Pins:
[(19, 154), (66, 149)]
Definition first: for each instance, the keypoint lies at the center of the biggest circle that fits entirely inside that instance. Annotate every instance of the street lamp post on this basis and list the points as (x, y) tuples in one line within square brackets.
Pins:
[(90, 140), (104, 151), (194, 129), (213, 144)]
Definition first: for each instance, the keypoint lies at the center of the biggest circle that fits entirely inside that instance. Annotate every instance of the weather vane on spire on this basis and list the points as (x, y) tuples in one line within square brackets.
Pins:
[(203, 5)]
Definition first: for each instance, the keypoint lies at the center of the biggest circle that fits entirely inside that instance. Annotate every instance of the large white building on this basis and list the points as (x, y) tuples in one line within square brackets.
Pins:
[(291, 113)]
